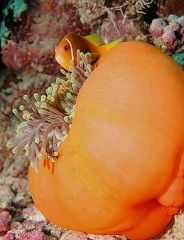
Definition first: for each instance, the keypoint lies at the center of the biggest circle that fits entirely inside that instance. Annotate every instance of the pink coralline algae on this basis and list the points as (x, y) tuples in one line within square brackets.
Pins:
[(36, 235), (74, 235), (9, 236), (168, 33), (114, 19), (120, 26), (4, 219), (30, 40)]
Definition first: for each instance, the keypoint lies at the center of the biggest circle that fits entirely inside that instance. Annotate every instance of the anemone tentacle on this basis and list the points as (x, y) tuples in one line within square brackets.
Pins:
[(46, 122)]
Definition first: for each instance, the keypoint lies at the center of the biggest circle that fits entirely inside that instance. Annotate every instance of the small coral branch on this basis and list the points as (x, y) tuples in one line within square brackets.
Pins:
[(46, 122), (140, 5), (93, 11)]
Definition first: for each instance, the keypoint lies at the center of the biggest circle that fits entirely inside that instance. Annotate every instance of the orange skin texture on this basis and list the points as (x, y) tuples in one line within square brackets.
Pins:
[(121, 168)]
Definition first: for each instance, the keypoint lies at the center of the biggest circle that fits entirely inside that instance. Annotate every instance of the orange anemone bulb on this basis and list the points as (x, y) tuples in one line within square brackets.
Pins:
[(120, 170)]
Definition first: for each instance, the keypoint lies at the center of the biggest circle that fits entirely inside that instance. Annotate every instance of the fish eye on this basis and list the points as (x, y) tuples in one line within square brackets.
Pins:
[(66, 48)]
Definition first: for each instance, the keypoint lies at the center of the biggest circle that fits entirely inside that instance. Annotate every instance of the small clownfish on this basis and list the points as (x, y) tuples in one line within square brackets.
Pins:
[(66, 50)]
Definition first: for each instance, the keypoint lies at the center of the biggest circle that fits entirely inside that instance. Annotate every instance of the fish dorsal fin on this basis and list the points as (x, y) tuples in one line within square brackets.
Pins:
[(95, 39)]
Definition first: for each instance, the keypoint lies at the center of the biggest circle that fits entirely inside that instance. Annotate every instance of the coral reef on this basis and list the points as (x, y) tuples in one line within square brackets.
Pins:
[(168, 33), (134, 20), (4, 219), (113, 19), (14, 87), (28, 42), (174, 7), (28, 37)]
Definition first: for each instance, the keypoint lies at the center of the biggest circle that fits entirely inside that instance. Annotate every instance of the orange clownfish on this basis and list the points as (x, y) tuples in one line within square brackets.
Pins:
[(66, 50)]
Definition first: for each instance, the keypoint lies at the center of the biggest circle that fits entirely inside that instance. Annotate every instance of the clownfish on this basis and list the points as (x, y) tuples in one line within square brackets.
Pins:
[(66, 50)]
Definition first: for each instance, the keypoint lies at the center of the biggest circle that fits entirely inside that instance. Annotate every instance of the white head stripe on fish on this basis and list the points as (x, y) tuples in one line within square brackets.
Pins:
[(71, 47)]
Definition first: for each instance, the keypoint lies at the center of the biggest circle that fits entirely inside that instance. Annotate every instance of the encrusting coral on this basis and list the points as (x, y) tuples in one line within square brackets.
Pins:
[(168, 33), (28, 43), (46, 122)]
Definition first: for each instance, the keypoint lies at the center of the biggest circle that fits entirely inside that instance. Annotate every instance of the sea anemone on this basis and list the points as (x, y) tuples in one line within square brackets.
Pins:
[(46, 122), (120, 168)]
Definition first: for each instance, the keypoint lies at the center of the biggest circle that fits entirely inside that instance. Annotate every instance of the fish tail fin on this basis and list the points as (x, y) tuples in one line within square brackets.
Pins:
[(106, 47)]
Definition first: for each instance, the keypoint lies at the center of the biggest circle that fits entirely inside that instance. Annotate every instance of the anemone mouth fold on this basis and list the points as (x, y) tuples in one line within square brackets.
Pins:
[(46, 122)]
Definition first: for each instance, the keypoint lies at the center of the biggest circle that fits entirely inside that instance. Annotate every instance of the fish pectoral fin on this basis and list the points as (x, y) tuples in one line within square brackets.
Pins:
[(93, 57), (95, 39)]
